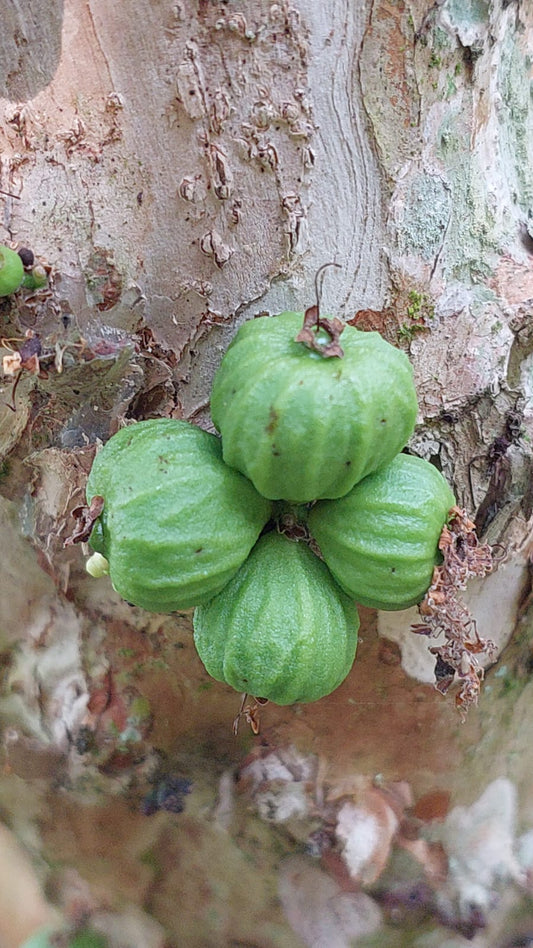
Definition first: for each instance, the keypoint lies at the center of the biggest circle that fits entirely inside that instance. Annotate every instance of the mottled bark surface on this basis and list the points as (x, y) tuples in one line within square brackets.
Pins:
[(178, 168)]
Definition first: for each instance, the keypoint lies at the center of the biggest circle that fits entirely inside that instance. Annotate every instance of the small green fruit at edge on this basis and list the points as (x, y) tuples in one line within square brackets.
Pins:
[(11, 271), (281, 629), (302, 426), (177, 523), (87, 938), (35, 279), (380, 541)]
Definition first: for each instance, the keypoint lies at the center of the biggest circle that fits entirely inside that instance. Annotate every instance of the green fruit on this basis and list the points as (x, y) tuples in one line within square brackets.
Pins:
[(11, 271), (35, 279), (88, 939), (177, 522), (302, 426), (281, 629), (380, 541), (82, 939)]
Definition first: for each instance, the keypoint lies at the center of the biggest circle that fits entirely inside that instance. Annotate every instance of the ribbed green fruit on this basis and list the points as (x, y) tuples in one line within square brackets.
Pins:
[(281, 629), (380, 541), (11, 271), (177, 522), (302, 426)]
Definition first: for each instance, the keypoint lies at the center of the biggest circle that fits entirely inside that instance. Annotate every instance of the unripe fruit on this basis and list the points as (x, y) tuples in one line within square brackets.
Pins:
[(380, 541), (281, 629), (302, 426), (177, 523), (11, 271)]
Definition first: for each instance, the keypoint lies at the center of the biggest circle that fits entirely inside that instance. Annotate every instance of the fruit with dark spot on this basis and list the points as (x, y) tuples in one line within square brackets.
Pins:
[(302, 426)]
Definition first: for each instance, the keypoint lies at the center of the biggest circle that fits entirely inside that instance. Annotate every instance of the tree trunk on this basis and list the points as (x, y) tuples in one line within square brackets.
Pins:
[(179, 168)]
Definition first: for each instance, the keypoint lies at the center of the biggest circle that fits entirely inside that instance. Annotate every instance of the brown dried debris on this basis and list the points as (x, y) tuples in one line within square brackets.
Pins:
[(25, 358), (85, 517), (386, 321), (250, 712), (444, 612)]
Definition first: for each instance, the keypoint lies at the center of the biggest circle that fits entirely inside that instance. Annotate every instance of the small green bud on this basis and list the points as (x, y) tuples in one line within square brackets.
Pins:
[(35, 279), (97, 565)]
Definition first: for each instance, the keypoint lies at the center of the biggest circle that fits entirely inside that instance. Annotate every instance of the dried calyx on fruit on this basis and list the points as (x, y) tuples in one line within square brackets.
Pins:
[(303, 426)]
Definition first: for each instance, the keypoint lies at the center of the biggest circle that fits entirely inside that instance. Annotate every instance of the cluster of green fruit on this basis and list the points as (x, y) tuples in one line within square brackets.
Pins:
[(18, 269), (310, 433)]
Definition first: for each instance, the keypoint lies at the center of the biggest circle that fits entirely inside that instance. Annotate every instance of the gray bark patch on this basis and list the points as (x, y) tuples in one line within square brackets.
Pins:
[(30, 47)]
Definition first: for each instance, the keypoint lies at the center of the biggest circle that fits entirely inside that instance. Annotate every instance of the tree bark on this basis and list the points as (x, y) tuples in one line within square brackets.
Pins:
[(179, 168)]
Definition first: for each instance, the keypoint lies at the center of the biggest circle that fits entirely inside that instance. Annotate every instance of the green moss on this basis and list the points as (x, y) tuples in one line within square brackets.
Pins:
[(477, 231), (125, 652), (140, 710), (420, 312), (420, 306), (151, 859), (450, 88), (511, 685)]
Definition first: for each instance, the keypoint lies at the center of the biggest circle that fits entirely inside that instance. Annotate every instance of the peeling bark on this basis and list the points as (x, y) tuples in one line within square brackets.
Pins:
[(179, 168)]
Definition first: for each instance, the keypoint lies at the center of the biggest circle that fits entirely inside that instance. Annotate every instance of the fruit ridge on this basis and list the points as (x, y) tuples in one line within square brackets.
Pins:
[(281, 629), (177, 522), (380, 541), (303, 427)]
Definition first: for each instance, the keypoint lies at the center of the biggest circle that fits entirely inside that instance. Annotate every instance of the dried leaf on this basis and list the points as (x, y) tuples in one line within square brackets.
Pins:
[(31, 347), (445, 613), (86, 518), (251, 713), (386, 322)]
